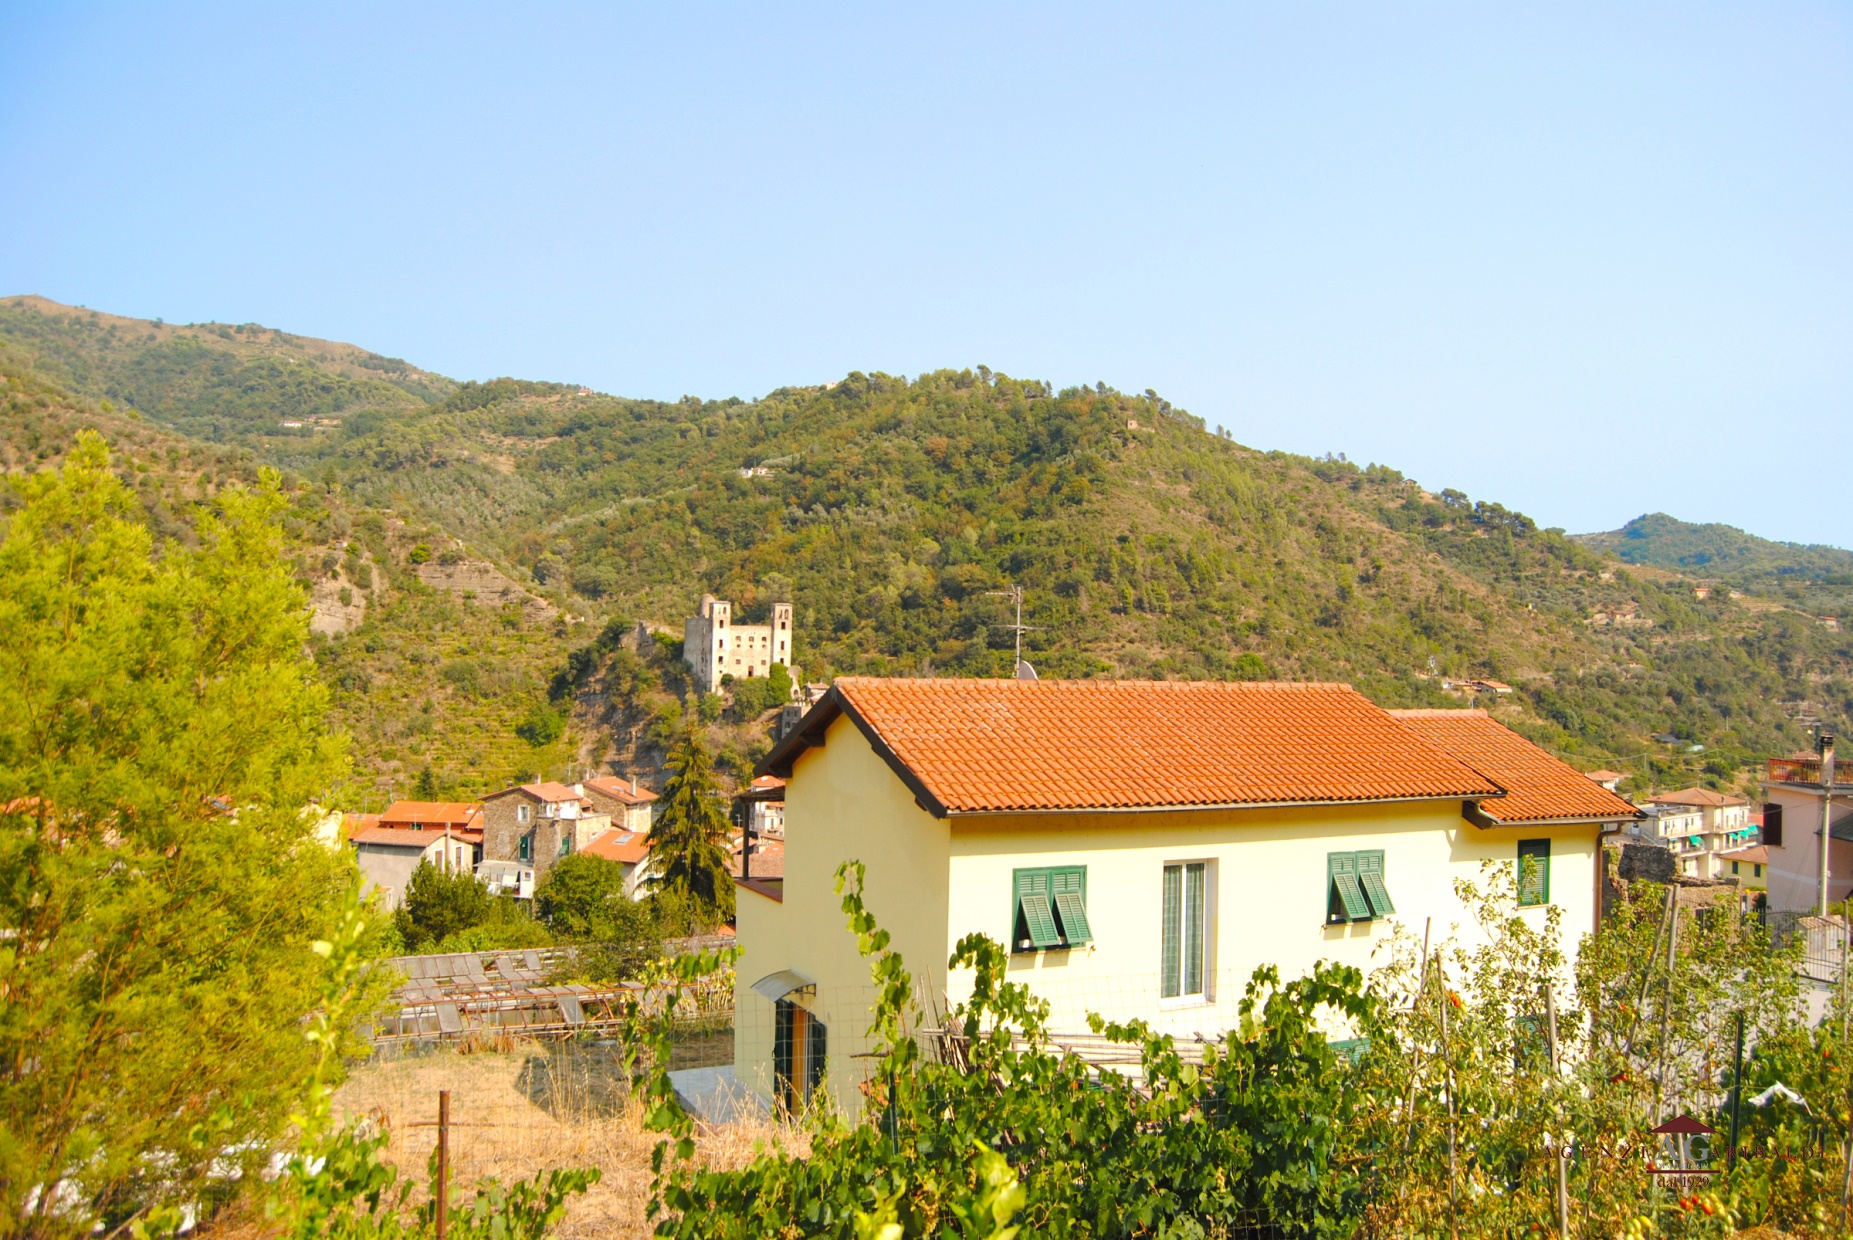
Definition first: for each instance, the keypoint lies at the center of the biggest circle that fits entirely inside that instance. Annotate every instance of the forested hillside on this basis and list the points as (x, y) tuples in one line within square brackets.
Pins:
[(501, 526), (1816, 577)]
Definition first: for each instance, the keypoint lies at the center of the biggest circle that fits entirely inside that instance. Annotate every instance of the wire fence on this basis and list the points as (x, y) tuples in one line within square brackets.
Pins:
[(1823, 942)]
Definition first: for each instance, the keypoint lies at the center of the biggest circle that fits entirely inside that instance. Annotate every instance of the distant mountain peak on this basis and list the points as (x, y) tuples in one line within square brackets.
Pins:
[(1661, 541)]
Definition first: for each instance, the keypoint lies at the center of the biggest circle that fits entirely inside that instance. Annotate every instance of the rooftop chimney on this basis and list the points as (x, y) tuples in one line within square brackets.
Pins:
[(633, 785)]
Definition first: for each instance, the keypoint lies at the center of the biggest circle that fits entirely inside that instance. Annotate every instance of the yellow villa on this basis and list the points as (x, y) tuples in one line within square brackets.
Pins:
[(1140, 847)]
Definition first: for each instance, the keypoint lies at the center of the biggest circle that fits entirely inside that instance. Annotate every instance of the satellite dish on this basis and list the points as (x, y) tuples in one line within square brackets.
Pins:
[(1025, 671)]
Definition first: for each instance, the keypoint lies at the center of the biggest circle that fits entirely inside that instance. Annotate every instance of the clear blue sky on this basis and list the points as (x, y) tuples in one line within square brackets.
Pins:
[(1588, 261)]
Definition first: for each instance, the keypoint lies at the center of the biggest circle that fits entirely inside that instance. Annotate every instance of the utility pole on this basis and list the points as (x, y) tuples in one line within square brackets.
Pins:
[(1825, 743), (1019, 628)]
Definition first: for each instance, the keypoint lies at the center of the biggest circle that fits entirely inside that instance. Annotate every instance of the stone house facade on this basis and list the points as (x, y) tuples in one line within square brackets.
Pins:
[(537, 824)]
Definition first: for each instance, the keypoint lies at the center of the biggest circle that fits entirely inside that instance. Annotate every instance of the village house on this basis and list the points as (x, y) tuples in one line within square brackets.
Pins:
[(631, 806), (1723, 824), (388, 855), (1607, 778), (537, 824), (630, 849), (713, 647), (1792, 831), (461, 818), (1139, 848), (1674, 828), (1747, 866), (759, 810), (389, 846)]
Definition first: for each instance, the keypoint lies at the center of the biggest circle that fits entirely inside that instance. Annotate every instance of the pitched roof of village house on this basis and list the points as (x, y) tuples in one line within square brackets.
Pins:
[(1704, 798), (547, 791), (1004, 746), (617, 844), (1538, 787), (400, 837), (620, 789), (418, 813)]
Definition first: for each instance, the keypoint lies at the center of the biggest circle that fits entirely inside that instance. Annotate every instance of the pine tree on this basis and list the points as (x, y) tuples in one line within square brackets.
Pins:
[(160, 881), (690, 842)]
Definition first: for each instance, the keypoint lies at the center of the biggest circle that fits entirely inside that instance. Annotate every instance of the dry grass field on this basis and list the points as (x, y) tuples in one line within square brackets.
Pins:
[(518, 1112)]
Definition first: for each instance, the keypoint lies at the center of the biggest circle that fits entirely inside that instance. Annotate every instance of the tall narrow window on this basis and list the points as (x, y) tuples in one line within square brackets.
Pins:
[(800, 1050), (1181, 958), (1534, 872), (525, 847)]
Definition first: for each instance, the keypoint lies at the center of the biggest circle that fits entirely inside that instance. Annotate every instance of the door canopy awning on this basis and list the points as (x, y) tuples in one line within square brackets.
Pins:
[(776, 986)]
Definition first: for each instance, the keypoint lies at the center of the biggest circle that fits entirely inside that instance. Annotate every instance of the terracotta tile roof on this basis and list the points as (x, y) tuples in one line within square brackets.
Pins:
[(976, 746), (768, 860), (1704, 798), (418, 813), (1538, 787), (547, 791), (401, 837), (1757, 853), (630, 847), (1603, 775), (353, 824), (620, 789)]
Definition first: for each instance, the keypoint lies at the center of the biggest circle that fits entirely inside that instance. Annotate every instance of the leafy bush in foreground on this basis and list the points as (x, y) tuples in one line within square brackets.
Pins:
[(1472, 1069)]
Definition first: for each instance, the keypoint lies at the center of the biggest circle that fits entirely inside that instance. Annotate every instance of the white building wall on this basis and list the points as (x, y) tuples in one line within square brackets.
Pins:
[(931, 882)]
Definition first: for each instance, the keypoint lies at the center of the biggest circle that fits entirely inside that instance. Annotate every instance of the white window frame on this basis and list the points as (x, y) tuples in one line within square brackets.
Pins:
[(521, 813), (1207, 996)]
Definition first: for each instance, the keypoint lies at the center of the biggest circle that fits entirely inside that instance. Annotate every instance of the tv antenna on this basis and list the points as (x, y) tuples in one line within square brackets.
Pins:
[(1023, 670)]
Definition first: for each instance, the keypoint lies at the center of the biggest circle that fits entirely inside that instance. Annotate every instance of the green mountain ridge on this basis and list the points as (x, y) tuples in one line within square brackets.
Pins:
[(889, 510), (1667, 542)]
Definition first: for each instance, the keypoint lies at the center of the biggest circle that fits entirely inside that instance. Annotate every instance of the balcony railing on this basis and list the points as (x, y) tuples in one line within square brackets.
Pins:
[(1808, 771)]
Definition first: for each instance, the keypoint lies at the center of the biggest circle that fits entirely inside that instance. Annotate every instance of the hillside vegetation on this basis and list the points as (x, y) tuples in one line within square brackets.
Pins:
[(890, 511), (1819, 578)]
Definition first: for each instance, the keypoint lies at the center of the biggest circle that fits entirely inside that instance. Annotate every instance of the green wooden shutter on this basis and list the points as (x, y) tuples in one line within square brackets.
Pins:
[(1534, 879), (1072, 911), (1370, 878), (1034, 914), (1346, 901), (1068, 886), (1168, 969)]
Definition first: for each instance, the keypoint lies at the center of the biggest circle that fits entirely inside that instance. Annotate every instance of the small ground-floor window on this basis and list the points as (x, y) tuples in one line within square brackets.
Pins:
[(800, 1046)]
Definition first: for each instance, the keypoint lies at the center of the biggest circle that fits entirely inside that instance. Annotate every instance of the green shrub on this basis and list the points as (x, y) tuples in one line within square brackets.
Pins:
[(439, 903), (542, 727)]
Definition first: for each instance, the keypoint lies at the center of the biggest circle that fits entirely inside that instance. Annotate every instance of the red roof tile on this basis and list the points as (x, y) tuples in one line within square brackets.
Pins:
[(612, 786), (354, 824), (1704, 798), (421, 813), (1538, 787), (402, 837), (768, 860), (630, 847), (978, 746), (1757, 853)]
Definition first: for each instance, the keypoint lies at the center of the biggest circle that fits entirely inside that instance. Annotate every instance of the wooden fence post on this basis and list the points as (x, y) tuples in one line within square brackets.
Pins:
[(443, 1185)]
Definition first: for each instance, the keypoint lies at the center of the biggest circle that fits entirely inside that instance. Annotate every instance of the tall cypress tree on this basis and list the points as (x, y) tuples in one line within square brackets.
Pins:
[(690, 840)]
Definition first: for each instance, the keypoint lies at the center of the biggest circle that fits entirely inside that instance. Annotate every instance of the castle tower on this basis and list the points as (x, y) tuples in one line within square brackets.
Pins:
[(781, 634)]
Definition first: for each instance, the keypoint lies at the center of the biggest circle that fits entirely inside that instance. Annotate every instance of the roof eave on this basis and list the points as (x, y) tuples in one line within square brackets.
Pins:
[(1470, 798), (809, 734), (1480, 818)]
